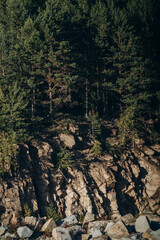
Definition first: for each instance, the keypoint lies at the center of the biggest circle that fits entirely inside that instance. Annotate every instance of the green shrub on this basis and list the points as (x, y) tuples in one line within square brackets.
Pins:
[(127, 126), (97, 149), (111, 149), (80, 218), (64, 158), (13, 125), (27, 210), (94, 125), (52, 212), (85, 227), (8, 151), (155, 137)]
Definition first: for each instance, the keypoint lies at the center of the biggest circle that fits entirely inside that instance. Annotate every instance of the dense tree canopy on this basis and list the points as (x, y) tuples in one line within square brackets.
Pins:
[(76, 56)]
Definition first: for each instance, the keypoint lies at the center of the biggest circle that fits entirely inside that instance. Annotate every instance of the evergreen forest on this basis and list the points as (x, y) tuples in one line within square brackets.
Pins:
[(93, 60)]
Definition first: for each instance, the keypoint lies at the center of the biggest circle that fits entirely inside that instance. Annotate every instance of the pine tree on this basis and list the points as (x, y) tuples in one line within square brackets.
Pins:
[(128, 131), (103, 81), (32, 60), (12, 112), (143, 15), (133, 81), (83, 48), (97, 149), (12, 124), (59, 66), (64, 158)]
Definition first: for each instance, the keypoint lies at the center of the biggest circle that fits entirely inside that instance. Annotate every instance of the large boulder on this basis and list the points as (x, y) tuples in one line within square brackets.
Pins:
[(128, 218), (109, 224), (68, 140), (60, 233), (30, 221), (69, 221), (24, 232), (97, 225), (118, 230), (75, 231), (96, 233), (142, 224), (49, 225), (155, 235)]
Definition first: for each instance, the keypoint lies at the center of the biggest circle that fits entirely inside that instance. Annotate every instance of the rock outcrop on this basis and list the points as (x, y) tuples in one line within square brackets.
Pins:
[(109, 187)]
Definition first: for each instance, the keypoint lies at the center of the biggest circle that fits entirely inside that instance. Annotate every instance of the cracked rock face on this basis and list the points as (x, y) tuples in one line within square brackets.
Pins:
[(109, 186)]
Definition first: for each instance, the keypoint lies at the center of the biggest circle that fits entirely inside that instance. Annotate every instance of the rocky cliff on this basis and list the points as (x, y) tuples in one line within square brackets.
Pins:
[(112, 185)]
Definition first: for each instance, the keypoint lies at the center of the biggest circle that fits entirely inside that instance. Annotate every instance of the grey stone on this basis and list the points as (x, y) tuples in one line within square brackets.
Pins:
[(133, 237), (3, 230), (110, 224), (97, 225), (69, 221), (24, 232), (49, 225), (142, 224), (126, 238), (9, 235), (60, 233), (74, 230), (155, 235), (89, 217), (96, 233)]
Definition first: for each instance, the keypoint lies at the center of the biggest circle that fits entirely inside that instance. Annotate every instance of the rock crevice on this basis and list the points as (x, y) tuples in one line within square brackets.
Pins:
[(111, 185)]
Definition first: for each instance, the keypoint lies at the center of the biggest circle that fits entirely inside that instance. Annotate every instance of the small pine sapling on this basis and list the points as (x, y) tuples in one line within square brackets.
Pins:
[(94, 124), (127, 126), (52, 212), (97, 149), (64, 158), (27, 210)]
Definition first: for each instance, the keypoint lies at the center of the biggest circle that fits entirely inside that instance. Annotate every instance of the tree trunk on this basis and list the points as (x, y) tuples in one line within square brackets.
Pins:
[(69, 93), (33, 103), (86, 98), (104, 99), (50, 98), (98, 95), (3, 72)]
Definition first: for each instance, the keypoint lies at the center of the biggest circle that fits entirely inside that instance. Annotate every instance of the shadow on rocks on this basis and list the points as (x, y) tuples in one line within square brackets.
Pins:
[(154, 225)]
